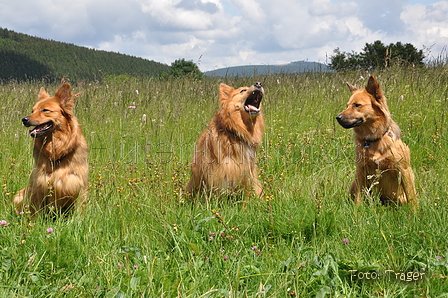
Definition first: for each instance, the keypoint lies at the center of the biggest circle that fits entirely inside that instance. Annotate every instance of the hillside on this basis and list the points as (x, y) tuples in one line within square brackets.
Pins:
[(23, 57), (251, 70)]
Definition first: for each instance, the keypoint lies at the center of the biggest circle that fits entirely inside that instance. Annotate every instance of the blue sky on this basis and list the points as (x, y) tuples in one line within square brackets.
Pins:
[(231, 32)]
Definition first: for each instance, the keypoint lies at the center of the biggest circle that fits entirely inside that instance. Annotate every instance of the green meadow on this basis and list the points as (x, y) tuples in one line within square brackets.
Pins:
[(142, 236)]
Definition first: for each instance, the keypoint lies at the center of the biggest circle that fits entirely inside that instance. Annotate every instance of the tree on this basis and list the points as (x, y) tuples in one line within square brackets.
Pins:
[(377, 55), (407, 53), (182, 67), (342, 61), (373, 55)]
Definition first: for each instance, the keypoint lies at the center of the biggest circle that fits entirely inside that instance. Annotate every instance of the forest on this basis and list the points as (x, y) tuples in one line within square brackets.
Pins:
[(24, 57)]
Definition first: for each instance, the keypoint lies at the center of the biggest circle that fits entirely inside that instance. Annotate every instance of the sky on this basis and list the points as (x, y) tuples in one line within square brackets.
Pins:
[(224, 33)]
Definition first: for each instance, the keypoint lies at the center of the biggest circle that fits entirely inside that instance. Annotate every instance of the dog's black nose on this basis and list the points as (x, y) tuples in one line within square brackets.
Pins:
[(339, 117), (258, 85), (25, 121)]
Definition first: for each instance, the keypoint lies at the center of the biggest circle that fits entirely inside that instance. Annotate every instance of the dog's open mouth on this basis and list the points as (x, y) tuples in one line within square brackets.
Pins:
[(252, 103), (41, 129)]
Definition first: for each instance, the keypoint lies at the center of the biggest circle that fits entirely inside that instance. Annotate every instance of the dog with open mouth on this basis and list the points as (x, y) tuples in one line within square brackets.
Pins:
[(59, 176), (224, 161)]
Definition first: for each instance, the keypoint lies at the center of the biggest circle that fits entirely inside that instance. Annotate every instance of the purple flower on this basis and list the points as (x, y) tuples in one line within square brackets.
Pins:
[(254, 247), (439, 258), (4, 223), (120, 265), (210, 238), (135, 267), (50, 230), (345, 240), (132, 107), (225, 257)]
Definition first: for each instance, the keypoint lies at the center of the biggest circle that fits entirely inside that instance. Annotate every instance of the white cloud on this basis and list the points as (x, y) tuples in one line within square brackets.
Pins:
[(230, 32), (427, 25), (173, 14)]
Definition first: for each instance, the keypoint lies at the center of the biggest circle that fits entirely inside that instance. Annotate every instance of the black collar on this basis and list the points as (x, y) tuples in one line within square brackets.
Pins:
[(235, 135), (367, 142), (59, 160)]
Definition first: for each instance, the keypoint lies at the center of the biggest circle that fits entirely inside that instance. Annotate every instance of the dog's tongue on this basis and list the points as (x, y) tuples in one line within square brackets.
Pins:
[(33, 131), (251, 108), (38, 129)]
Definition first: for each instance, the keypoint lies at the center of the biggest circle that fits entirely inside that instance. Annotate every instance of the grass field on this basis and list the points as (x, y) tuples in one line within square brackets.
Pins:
[(140, 236)]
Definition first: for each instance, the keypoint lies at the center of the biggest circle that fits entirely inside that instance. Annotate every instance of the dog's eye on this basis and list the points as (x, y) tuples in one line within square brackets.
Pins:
[(357, 105), (45, 110), (244, 90)]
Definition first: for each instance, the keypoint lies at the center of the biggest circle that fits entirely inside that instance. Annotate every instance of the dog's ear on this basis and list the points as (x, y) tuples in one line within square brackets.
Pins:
[(351, 87), (42, 94), (374, 89), (225, 91), (65, 96)]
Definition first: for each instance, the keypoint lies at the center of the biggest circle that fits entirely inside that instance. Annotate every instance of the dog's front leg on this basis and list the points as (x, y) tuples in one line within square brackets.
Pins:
[(355, 191), (407, 181), (358, 184), (19, 201)]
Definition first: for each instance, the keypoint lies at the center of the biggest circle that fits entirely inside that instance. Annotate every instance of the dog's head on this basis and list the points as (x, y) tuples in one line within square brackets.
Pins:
[(245, 100), (50, 113), (365, 106)]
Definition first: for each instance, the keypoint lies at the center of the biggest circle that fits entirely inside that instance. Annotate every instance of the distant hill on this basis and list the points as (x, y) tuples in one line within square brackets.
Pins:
[(23, 57), (251, 70)]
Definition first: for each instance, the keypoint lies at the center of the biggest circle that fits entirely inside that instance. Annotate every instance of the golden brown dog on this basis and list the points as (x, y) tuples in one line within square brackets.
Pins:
[(225, 157), (59, 176), (382, 159)]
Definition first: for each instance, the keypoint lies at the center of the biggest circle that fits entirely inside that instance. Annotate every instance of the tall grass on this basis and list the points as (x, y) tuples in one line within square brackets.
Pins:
[(141, 236)]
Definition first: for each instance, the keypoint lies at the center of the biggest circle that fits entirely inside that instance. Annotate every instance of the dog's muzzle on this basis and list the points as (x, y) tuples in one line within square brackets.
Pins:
[(26, 121), (348, 124), (38, 130), (252, 103)]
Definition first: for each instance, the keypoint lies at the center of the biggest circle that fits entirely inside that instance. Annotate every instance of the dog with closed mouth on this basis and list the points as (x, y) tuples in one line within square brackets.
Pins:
[(224, 161), (382, 158), (59, 178)]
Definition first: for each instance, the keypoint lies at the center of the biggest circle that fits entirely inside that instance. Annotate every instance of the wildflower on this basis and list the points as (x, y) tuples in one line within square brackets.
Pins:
[(345, 240), (391, 248), (257, 251), (135, 266), (132, 107), (225, 257), (144, 118), (4, 223), (50, 230), (210, 238), (439, 258), (120, 265)]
